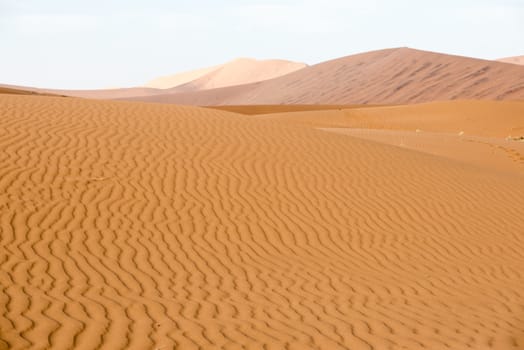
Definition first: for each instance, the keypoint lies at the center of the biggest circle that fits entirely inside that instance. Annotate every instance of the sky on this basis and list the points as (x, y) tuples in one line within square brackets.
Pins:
[(115, 43)]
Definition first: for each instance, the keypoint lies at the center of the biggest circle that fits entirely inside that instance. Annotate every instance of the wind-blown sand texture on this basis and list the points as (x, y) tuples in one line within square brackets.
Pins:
[(392, 76), (137, 226), (489, 134)]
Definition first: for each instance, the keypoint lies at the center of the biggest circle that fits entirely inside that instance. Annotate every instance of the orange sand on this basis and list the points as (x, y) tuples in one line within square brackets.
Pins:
[(137, 226), (270, 109), (482, 118)]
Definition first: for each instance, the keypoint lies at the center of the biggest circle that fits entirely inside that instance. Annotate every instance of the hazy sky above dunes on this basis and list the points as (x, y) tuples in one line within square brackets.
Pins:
[(104, 43)]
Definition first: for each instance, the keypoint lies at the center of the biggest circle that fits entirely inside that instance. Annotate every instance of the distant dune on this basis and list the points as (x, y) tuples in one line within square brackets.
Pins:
[(149, 226), (393, 76), (515, 60), (175, 80), (5, 89), (95, 94), (237, 72)]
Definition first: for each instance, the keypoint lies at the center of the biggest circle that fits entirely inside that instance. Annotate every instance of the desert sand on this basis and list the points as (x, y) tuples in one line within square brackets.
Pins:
[(514, 60), (392, 76), (5, 89), (500, 119), (174, 80), (237, 72), (261, 110), (383, 77), (129, 225), (95, 94)]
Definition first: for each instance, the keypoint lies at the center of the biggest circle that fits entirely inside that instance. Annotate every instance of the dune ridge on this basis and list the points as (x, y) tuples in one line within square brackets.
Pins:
[(514, 60), (94, 94), (391, 76), (170, 81), (137, 226), (236, 72)]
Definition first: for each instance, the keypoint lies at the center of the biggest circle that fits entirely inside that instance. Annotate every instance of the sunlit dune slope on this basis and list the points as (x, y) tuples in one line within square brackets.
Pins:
[(481, 118), (170, 81), (236, 72), (96, 94), (514, 60), (14, 91), (488, 134), (137, 226), (270, 109), (242, 71), (392, 76)]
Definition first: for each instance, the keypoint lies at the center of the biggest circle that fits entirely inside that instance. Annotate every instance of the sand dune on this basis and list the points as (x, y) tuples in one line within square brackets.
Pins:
[(393, 76), (105, 94), (499, 119), (515, 60), (242, 71), (95, 94), (483, 133), (4, 89), (138, 226), (274, 109), (503, 155), (210, 97), (174, 80), (237, 72)]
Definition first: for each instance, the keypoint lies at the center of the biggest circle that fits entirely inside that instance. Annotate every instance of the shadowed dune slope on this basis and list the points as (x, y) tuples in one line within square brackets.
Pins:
[(514, 60), (138, 226), (482, 118), (393, 76)]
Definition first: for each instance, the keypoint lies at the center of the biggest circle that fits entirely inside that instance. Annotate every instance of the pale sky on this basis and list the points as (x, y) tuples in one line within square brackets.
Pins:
[(115, 43)]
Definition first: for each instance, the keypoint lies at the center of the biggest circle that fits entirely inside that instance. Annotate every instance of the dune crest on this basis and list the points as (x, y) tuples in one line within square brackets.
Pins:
[(174, 80), (237, 72), (514, 60), (392, 76)]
